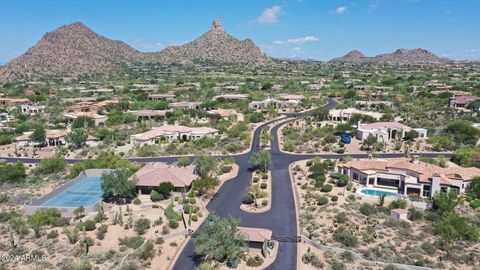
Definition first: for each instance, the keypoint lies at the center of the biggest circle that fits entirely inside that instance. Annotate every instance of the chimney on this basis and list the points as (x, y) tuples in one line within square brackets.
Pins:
[(414, 159), (435, 187)]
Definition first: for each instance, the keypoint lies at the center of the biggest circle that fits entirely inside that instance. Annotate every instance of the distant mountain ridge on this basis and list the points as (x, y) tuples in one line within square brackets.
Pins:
[(215, 45), (418, 55), (74, 50)]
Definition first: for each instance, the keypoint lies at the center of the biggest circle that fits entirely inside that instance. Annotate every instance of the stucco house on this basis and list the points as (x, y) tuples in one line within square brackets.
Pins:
[(385, 131), (172, 133), (409, 177), (152, 175)]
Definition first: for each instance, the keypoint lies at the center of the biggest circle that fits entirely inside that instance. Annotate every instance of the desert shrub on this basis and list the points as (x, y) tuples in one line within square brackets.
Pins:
[(101, 231), (255, 261), (226, 169), (326, 188), (341, 217), (173, 224), (89, 225), (194, 218), (334, 198), (312, 259), (263, 185), (347, 256), (52, 234), (320, 178), (256, 179), (141, 225), (475, 204), (336, 265), (133, 242), (399, 203), (351, 198), (322, 200), (367, 209), (415, 214), (192, 200), (137, 201), (155, 196), (264, 202), (171, 214), (248, 198), (345, 237), (319, 184)]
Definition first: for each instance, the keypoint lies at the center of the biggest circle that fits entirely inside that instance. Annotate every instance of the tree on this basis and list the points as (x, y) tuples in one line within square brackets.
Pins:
[(79, 212), (441, 143), (43, 217), (218, 237), (205, 184), (370, 141), (261, 160), (77, 137), (83, 122), (320, 114), (116, 185), (51, 165), (165, 188), (411, 135), (205, 165), (12, 173), (39, 135), (445, 202), (463, 133), (467, 157), (103, 133), (183, 161), (453, 228)]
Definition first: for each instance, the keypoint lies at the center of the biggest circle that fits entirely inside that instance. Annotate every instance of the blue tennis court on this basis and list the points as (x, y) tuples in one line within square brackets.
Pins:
[(84, 193)]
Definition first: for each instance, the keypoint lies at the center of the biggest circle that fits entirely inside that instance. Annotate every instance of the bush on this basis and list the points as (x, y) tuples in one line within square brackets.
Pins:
[(52, 234), (254, 261), (141, 226), (399, 203), (347, 256), (367, 209), (171, 214), (345, 237), (133, 242), (341, 217), (336, 265), (137, 201), (312, 259), (256, 179), (155, 196), (101, 231), (326, 188), (320, 178), (194, 218), (415, 214), (173, 224), (319, 184), (89, 225), (475, 204), (263, 185), (322, 200), (248, 198), (192, 200), (334, 198), (264, 202)]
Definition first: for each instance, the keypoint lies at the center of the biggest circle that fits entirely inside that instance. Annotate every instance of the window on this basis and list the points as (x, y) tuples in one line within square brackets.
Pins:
[(355, 176), (426, 191)]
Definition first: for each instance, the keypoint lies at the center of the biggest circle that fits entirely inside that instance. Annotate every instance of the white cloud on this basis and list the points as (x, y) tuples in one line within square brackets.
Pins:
[(375, 5), (302, 40), (279, 42), (270, 15), (341, 10)]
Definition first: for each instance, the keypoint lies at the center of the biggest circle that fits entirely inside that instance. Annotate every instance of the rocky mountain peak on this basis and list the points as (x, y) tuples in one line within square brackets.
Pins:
[(216, 26), (355, 54)]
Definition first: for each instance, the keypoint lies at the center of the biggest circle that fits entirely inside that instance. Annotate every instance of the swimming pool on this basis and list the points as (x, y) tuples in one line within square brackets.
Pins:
[(86, 192), (377, 192)]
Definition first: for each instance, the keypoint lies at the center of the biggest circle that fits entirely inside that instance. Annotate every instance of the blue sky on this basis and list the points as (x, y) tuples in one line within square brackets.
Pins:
[(317, 29)]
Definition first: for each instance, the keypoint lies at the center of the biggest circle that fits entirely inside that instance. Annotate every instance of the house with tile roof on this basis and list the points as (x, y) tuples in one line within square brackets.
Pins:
[(152, 175), (409, 176), (385, 131), (172, 133)]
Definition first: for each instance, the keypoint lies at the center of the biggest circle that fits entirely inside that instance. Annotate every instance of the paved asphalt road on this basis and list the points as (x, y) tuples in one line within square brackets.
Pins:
[(281, 219)]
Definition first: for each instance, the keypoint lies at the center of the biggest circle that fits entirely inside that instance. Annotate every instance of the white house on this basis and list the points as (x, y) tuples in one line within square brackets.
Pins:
[(172, 133), (30, 109), (344, 115), (385, 131), (409, 177)]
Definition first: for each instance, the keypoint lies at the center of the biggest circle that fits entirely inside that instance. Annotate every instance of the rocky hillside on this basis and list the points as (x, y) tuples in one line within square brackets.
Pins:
[(70, 50), (411, 56), (399, 56), (352, 56), (216, 45)]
